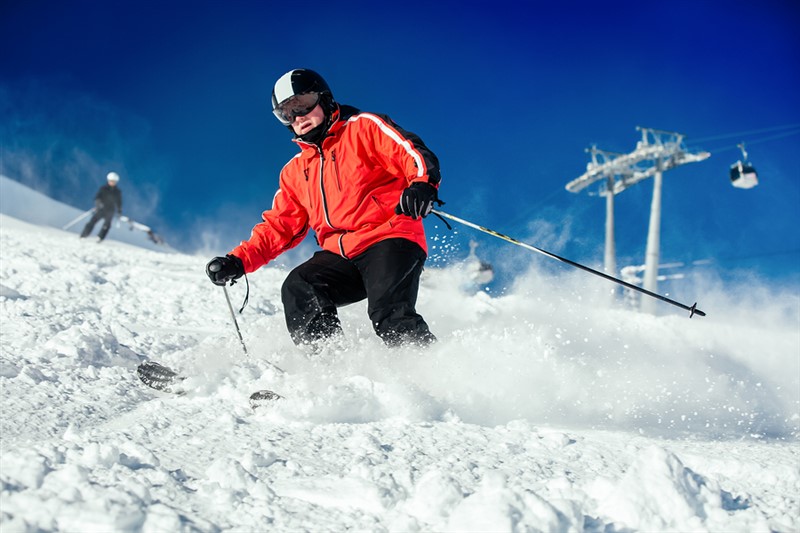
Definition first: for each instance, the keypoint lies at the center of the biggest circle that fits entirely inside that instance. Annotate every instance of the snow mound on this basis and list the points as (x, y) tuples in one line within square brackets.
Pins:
[(659, 493)]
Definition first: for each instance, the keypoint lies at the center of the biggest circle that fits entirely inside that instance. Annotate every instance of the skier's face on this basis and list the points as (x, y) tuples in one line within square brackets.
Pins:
[(306, 123)]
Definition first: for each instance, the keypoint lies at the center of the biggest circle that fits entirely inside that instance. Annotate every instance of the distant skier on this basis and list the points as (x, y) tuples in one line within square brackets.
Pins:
[(363, 184), (107, 203)]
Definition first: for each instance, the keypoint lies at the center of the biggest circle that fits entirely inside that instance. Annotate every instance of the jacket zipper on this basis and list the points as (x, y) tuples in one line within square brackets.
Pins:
[(322, 189), (325, 203)]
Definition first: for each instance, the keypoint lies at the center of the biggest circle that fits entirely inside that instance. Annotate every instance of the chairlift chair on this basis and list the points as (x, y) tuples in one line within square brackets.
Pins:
[(743, 173)]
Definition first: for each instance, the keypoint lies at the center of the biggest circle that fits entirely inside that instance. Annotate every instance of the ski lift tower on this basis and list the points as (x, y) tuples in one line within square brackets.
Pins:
[(615, 172), (602, 169), (657, 152), (670, 152)]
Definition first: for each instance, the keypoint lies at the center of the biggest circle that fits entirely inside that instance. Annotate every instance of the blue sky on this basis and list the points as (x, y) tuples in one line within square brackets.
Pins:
[(174, 95)]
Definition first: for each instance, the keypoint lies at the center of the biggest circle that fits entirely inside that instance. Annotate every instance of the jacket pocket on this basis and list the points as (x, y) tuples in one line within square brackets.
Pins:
[(336, 171), (387, 212)]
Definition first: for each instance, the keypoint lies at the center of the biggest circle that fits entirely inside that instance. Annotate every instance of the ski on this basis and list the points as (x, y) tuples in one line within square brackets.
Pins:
[(263, 397), (164, 379), (160, 377)]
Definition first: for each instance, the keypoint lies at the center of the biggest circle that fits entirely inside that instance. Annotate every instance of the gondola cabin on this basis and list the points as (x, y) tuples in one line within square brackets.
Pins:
[(743, 175)]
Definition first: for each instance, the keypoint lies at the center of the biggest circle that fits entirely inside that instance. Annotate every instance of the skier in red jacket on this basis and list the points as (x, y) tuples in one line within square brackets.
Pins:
[(363, 185)]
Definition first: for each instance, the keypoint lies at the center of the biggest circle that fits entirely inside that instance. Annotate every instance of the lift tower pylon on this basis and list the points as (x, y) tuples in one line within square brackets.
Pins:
[(657, 152)]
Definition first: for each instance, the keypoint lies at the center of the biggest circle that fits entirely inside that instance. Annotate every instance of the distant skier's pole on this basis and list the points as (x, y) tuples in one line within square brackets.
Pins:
[(78, 219), (233, 316), (693, 310)]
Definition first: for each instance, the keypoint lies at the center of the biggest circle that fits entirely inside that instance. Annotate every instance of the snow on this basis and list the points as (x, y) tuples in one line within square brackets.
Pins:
[(545, 409)]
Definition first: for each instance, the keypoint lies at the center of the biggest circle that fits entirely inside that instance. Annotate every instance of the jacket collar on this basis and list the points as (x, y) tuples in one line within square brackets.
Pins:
[(333, 130)]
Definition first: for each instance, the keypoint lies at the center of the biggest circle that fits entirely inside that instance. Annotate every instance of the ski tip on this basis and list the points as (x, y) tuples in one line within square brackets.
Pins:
[(263, 397), (160, 377)]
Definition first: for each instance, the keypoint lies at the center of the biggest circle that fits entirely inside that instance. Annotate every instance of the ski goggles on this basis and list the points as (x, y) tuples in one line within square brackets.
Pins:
[(299, 105)]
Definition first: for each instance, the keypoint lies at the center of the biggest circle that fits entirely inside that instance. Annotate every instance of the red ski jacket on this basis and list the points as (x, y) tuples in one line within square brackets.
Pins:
[(345, 190)]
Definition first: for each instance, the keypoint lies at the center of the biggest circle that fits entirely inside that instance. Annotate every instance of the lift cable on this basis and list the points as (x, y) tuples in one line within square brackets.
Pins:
[(757, 141), (751, 132)]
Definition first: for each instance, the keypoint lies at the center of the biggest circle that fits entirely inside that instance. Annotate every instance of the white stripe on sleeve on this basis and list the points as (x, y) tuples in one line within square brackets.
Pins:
[(396, 138)]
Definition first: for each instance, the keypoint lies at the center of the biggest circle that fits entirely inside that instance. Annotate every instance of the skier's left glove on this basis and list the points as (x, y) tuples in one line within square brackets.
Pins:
[(223, 269), (417, 200)]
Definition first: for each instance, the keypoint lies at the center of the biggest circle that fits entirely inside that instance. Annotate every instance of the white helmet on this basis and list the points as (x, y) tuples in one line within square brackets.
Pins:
[(113, 177)]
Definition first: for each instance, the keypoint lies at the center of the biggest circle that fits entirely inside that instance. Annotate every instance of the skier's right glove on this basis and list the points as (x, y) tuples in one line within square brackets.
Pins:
[(223, 269)]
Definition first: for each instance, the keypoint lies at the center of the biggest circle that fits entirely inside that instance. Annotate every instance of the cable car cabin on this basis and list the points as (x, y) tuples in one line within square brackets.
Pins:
[(743, 175)]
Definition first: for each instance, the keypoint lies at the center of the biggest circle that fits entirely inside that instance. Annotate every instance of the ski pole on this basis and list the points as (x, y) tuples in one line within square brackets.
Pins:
[(239, 333), (235, 322), (693, 310), (78, 218)]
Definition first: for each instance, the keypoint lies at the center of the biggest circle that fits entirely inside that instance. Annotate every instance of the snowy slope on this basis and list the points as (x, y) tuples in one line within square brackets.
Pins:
[(21, 202), (542, 410)]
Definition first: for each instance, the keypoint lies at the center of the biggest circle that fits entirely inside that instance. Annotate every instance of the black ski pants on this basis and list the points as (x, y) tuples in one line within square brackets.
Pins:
[(386, 274), (107, 215)]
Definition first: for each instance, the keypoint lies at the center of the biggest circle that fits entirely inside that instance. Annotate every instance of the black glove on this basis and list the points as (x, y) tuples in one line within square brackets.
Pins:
[(223, 269), (417, 200)]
